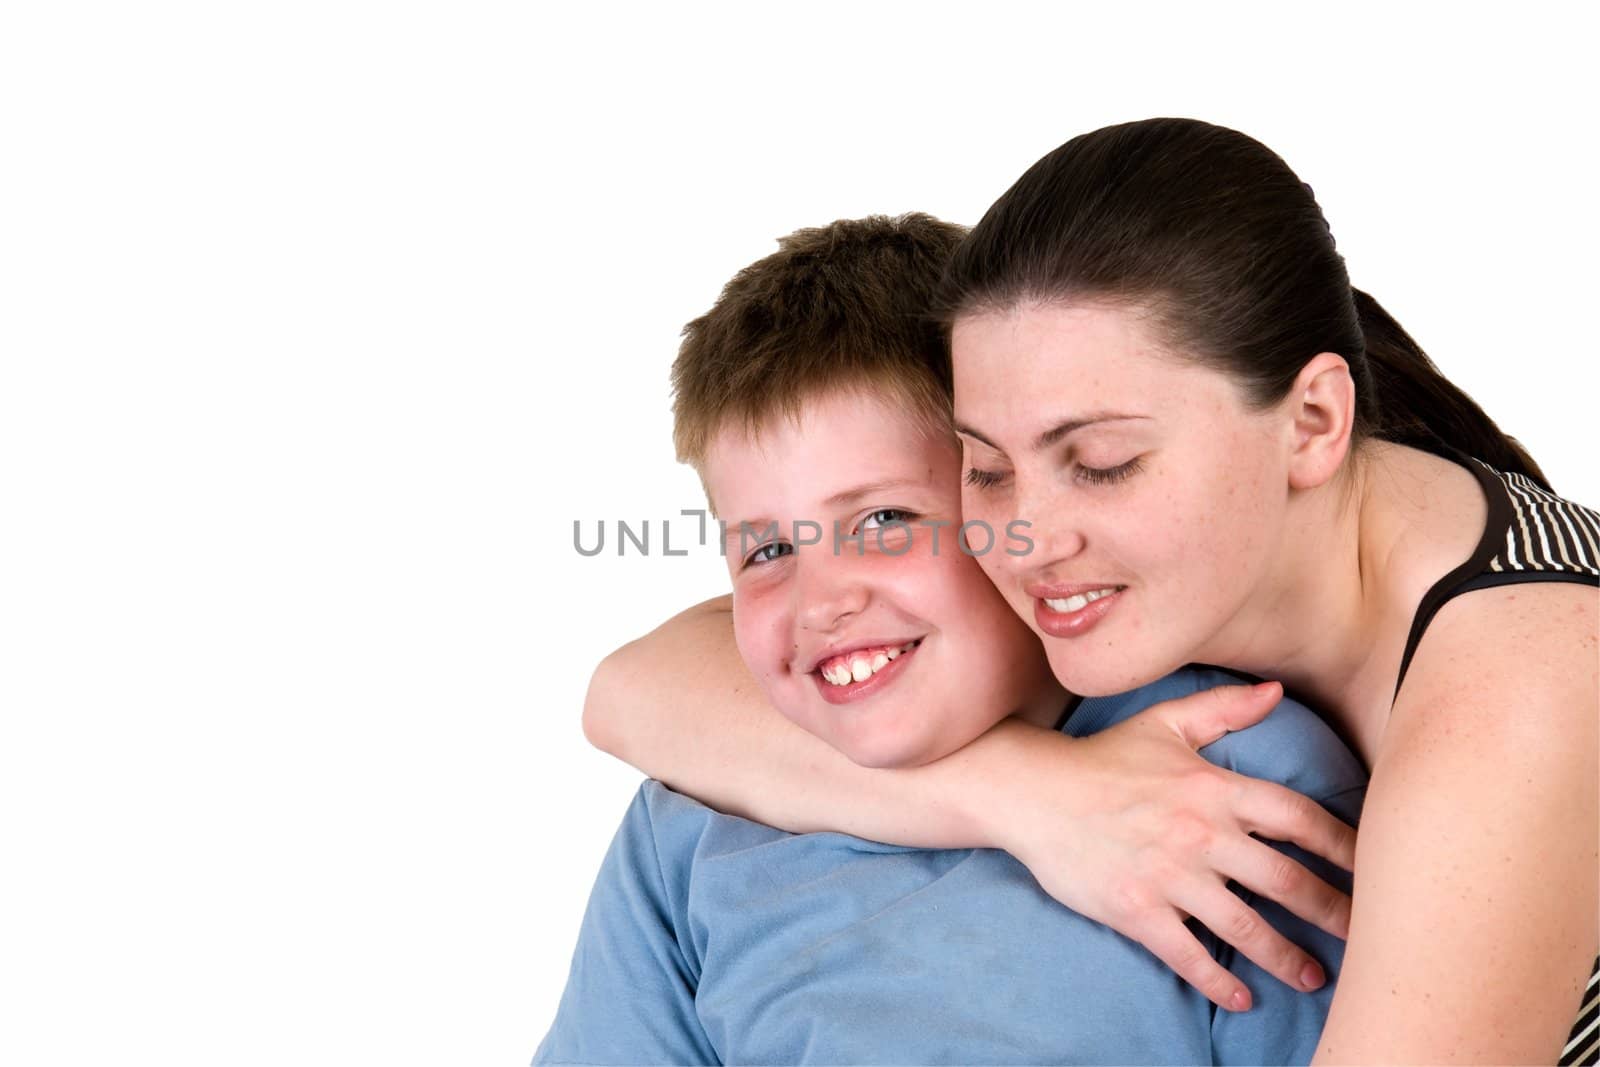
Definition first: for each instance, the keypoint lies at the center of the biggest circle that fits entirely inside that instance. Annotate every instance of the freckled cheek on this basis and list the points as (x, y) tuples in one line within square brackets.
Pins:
[(762, 630), (1215, 541), (1166, 543), (998, 572), (975, 605), (978, 506), (906, 584)]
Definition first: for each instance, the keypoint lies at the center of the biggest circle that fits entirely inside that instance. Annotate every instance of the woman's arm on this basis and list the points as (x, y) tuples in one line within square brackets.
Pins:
[(680, 705), (1474, 927), (1125, 823)]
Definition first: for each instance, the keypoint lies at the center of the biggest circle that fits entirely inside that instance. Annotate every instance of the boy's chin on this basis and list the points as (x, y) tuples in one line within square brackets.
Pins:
[(879, 753), (884, 753), (905, 752), (889, 763)]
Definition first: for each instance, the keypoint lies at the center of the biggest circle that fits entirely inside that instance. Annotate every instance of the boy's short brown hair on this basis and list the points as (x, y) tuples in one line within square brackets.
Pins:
[(844, 306)]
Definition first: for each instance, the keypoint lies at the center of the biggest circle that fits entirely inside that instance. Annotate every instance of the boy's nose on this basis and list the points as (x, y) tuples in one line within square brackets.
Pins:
[(826, 593)]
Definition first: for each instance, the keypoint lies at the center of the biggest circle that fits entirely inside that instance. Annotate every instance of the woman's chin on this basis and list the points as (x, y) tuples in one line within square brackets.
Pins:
[(1103, 678)]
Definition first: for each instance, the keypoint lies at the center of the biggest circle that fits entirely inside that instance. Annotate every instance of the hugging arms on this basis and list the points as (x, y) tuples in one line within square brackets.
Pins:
[(712, 938), (1133, 819), (709, 938), (1229, 456)]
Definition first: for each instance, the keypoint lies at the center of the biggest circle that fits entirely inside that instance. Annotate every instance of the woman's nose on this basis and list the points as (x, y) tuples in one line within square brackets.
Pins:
[(1046, 528)]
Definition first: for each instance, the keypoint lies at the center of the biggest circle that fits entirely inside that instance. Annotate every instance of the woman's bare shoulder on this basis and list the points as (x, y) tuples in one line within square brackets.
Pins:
[(1508, 657), (1475, 867)]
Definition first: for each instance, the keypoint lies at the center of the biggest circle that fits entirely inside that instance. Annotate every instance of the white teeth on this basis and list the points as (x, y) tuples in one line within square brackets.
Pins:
[(859, 668), (1078, 601)]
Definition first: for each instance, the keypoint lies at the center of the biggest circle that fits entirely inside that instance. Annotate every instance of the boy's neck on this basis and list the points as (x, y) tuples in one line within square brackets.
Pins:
[(1051, 711)]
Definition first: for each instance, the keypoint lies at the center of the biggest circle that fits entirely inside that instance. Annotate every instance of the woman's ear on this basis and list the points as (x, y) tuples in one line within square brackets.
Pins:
[(1322, 409)]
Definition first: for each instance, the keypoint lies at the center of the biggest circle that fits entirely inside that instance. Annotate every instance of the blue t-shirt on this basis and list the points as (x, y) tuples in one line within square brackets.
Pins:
[(712, 939)]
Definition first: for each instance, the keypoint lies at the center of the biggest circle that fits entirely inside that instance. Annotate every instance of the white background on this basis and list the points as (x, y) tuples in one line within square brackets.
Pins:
[(322, 322)]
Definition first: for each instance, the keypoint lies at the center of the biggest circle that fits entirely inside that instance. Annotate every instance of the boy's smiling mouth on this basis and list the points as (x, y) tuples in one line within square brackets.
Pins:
[(862, 670), (862, 663)]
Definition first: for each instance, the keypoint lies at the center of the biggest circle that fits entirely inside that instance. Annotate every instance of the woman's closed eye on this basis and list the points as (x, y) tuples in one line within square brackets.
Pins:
[(983, 479), (1108, 475)]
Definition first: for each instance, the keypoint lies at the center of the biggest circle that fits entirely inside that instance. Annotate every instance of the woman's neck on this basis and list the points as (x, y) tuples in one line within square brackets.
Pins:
[(1332, 618)]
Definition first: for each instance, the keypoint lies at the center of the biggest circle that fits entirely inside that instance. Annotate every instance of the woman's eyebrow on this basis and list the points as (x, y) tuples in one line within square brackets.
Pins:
[(967, 431), (1056, 432)]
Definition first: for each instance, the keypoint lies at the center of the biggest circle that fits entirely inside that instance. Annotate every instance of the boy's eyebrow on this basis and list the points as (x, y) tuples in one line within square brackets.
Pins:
[(850, 496), (757, 527), (1056, 432)]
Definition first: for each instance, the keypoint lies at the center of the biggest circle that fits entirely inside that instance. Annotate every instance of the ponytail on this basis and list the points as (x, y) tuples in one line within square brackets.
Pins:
[(1416, 405)]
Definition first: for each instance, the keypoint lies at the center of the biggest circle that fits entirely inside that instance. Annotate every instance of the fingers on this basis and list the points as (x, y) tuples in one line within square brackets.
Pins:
[(1279, 813), (1269, 873), (1174, 945), (1235, 922), (1206, 716)]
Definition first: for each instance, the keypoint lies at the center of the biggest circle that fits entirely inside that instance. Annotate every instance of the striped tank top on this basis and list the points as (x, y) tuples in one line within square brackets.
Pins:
[(1531, 535)]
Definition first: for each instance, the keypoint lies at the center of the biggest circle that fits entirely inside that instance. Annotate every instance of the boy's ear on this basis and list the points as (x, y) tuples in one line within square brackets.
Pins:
[(1322, 410)]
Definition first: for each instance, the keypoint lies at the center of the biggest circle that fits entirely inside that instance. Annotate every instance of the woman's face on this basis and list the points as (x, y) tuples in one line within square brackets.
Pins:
[(1156, 497)]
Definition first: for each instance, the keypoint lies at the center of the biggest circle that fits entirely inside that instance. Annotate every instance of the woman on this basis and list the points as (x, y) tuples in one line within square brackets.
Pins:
[(1229, 456)]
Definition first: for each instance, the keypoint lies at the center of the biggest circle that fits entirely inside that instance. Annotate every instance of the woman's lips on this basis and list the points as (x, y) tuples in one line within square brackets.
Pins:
[(1069, 620), (884, 676)]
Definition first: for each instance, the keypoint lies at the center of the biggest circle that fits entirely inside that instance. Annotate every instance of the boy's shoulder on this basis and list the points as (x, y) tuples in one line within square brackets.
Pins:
[(1292, 745), (683, 829)]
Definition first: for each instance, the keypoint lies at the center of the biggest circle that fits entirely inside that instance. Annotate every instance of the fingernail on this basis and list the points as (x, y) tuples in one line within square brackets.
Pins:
[(1240, 1001), (1312, 977)]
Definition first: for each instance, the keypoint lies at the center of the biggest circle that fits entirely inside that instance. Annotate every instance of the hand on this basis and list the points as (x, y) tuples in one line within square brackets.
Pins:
[(1151, 832)]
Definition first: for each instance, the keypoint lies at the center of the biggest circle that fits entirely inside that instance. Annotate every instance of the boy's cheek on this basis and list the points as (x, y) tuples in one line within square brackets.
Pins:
[(757, 582), (917, 581), (920, 544), (763, 623), (751, 625)]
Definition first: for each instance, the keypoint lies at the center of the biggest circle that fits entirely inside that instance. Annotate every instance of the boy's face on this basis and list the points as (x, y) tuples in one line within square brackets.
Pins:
[(891, 646)]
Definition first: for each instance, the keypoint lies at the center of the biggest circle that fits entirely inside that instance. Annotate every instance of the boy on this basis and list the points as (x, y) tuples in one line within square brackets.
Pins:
[(813, 403)]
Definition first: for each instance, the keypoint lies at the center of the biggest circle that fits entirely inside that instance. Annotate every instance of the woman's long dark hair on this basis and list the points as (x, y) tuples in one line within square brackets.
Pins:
[(1214, 232)]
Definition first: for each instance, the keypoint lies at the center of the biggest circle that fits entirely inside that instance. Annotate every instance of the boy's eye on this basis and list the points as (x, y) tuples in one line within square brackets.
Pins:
[(983, 479), (1108, 475), (891, 529), (768, 552), (884, 516)]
